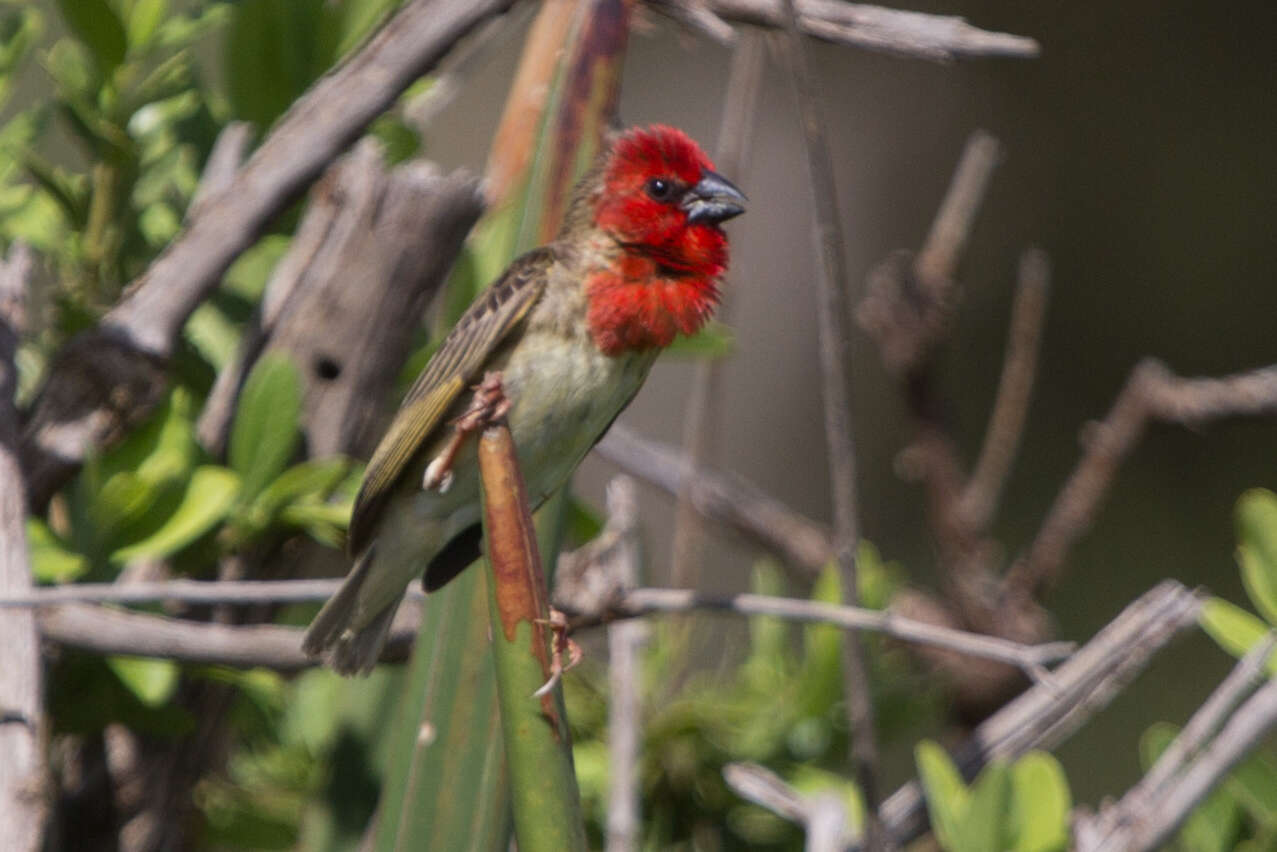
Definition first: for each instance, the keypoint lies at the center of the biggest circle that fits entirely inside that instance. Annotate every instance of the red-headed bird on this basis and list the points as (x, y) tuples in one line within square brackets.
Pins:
[(573, 328)]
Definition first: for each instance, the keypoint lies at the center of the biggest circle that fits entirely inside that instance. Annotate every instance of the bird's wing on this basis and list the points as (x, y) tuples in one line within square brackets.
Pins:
[(479, 331)]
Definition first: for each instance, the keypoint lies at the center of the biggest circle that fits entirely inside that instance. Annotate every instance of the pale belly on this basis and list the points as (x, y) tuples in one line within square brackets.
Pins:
[(563, 393)]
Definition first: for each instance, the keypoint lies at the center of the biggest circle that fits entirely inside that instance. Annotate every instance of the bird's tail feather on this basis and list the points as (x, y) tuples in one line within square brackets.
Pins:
[(347, 649)]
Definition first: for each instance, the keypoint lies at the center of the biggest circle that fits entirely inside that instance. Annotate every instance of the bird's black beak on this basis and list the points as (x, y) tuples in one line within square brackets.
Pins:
[(714, 199)]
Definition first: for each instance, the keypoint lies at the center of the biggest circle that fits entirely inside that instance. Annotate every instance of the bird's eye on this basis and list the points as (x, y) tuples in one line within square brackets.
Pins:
[(660, 189)]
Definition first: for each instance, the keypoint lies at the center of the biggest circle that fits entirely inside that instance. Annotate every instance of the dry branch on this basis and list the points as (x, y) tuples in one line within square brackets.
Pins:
[(1045, 716), (822, 815), (24, 800), (723, 498), (1151, 810), (700, 418), (107, 379), (939, 38), (61, 607), (1152, 393), (831, 281)]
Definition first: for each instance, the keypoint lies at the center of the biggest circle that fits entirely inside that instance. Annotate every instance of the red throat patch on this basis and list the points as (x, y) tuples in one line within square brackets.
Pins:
[(639, 306)]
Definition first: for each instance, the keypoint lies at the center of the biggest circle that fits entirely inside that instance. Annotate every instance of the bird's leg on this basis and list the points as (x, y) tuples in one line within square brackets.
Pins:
[(562, 642), (487, 403)]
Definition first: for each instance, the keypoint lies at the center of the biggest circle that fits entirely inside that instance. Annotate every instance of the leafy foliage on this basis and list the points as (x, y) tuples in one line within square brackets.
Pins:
[(1023, 807)]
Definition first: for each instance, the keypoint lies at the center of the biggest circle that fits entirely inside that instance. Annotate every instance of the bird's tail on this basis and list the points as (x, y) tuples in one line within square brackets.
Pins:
[(333, 635)]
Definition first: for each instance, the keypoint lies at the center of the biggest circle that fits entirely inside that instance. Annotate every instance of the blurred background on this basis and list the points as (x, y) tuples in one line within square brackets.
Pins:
[(1138, 152)]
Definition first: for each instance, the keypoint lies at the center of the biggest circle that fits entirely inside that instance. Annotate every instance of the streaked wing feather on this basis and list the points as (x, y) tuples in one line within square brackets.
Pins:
[(479, 331)]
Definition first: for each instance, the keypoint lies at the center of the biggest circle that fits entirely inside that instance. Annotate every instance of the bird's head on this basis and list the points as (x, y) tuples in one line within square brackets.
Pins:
[(662, 202), (662, 197)]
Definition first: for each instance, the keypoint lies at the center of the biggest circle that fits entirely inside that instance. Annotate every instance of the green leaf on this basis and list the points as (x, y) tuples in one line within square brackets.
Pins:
[(1041, 802), (273, 53), (948, 799), (1213, 826), (1254, 784), (95, 23), (51, 560), (1257, 553), (584, 524), (122, 502), (152, 681), (214, 336), (314, 478), (208, 499), (248, 275), (265, 434), (144, 20), (985, 824), (1233, 628)]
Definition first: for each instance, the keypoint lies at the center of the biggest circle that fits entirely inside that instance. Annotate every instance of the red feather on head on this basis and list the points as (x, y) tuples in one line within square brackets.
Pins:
[(666, 281)]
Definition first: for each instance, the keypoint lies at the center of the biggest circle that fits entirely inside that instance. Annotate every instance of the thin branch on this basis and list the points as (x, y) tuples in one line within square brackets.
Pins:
[(939, 38), (832, 279), (1029, 658), (1253, 721), (700, 418), (106, 380), (103, 630), (1152, 393), (697, 17), (723, 498), (24, 803), (983, 492), (822, 815), (1116, 827), (69, 601), (624, 643), (938, 259), (1045, 716)]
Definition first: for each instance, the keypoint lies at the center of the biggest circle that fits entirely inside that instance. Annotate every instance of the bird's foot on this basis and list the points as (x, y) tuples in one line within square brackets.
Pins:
[(488, 403), (563, 643)]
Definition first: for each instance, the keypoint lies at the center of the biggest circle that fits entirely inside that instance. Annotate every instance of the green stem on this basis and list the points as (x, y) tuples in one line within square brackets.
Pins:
[(546, 802)]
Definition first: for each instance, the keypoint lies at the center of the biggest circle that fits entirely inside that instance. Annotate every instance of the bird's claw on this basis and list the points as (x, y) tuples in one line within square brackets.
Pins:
[(558, 624), (487, 404)]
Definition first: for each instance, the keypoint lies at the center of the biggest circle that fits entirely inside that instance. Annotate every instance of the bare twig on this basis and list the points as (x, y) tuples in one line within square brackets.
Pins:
[(700, 421), (1015, 388), (939, 38), (24, 800), (1152, 393), (624, 642), (697, 17), (1248, 726), (1139, 813), (1029, 658), (222, 165), (723, 498), (625, 605), (113, 631), (106, 380), (823, 815), (832, 279), (1043, 717)]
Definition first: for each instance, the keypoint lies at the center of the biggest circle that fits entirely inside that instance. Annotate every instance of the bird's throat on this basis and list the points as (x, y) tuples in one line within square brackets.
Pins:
[(639, 305)]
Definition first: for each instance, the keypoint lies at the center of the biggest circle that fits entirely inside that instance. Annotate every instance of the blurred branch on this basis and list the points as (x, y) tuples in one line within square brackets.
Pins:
[(700, 418), (823, 815), (1045, 716), (831, 280), (1152, 393), (104, 630), (107, 379), (24, 795), (983, 491), (625, 705), (723, 498), (1151, 810), (939, 38)]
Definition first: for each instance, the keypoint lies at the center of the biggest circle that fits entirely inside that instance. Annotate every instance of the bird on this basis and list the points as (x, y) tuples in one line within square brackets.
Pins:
[(572, 329)]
